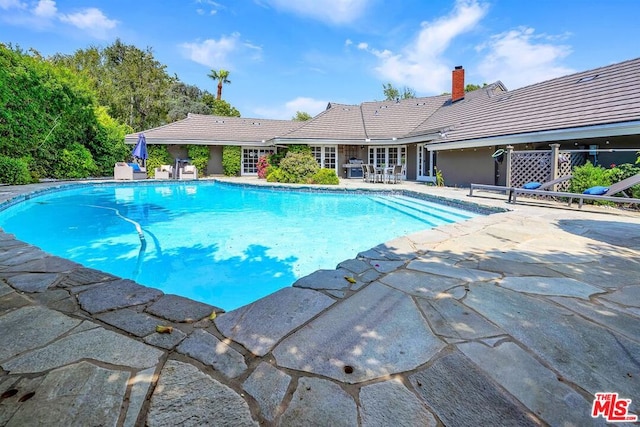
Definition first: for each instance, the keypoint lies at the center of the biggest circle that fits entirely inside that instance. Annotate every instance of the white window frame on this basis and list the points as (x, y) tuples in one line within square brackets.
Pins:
[(246, 153), (326, 156), (378, 155)]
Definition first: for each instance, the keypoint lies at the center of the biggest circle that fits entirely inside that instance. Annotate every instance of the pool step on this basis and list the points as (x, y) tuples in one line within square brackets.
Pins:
[(432, 213)]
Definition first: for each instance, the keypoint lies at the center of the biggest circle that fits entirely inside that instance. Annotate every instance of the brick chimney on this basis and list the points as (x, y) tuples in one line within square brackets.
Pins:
[(457, 84)]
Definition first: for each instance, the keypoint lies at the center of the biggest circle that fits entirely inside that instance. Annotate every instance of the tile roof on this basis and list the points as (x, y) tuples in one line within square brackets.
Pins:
[(606, 95), (200, 128)]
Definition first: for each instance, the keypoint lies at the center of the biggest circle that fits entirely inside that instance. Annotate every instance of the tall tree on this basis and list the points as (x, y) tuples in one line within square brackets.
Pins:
[(391, 93), (301, 116), (222, 78)]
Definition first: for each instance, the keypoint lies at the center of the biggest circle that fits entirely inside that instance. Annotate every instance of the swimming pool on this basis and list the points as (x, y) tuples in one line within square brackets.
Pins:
[(226, 245)]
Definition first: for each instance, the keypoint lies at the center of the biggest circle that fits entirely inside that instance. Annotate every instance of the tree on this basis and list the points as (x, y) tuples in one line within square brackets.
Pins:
[(301, 116), (184, 99), (392, 94), (219, 107), (221, 77), (471, 87)]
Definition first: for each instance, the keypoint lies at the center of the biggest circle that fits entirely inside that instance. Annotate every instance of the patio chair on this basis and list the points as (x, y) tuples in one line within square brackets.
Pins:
[(527, 188), (594, 193), (396, 174), (365, 172), (189, 172), (129, 171), (372, 174), (164, 172)]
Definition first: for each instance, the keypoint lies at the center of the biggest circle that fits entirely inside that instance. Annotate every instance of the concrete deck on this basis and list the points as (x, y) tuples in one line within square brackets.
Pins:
[(516, 318)]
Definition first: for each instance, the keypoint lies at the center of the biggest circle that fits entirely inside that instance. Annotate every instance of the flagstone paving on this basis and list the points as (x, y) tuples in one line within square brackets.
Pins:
[(514, 318)]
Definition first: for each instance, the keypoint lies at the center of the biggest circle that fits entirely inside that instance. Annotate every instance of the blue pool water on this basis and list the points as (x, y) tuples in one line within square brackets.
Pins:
[(221, 244)]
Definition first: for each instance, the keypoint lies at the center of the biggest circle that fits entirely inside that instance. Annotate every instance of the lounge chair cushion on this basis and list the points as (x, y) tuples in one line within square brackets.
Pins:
[(531, 185), (598, 190), (135, 166)]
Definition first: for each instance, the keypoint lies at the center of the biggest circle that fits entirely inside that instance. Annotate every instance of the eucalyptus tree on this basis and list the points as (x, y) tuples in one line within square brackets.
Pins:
[(391, 93), (222, 78)]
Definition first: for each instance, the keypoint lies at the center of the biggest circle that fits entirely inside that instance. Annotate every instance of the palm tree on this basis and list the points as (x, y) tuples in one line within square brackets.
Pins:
[(221, 77)]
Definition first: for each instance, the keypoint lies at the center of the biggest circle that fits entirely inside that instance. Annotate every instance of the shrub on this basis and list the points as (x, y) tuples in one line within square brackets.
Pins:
[(587, 176), (276, 158), (263, 167), (199, 155), (325, 176), (231, 160), (298, 167), (624, 171), (158, 155), (275, 175), (14, 171), (75, 162)]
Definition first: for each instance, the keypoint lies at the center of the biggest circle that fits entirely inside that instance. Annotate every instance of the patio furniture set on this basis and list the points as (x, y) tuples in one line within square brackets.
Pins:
[(387, 175), (133, 171)]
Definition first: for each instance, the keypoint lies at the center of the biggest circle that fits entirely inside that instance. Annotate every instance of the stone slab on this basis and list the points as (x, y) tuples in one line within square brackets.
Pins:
[(531, 383), (22, 387), (628, 296), (606, 271), (5, 289), (186, 396), (267, 385), (320, 402), (48, 264), (389, 403), (86, 276), (607, 361), (167, 341), (118, 294), (33, 282), (356, 266), (616, 320), (326, 279), (386, 266), (98, 344), (442, 269), (377, 332), (515, 268), (19, 255), (558, 286), (420, 284), (138, 324), (460, 394), (140, 384), (211, 351), (452, 319), (78, 394), (262, 324), (28, 328), (181, 309)]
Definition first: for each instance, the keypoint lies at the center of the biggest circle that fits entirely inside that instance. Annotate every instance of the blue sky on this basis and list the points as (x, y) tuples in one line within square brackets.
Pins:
[(297, 55)]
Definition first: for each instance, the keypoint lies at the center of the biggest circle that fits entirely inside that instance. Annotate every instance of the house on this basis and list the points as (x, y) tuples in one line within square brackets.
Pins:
[(596, 112)]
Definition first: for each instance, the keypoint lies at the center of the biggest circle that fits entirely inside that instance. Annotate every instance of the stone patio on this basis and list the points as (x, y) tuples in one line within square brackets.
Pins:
[(515, 318)]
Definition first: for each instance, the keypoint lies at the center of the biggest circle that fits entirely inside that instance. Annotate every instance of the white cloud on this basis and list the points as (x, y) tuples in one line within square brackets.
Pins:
[(219, 53), (520, 57), (90, 20), (12, 4), (44, 14), (286, 112), (330, 11), (420, 65), (45, 9)]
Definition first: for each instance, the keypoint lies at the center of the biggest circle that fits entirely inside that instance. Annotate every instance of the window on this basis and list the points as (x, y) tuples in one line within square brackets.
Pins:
[(325, 155), (387, 155), (250, 158)]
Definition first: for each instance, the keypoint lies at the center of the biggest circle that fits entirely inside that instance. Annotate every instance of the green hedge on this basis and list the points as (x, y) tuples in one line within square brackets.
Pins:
[(14, 171), (158, 155), (231, 160), (199, 155)]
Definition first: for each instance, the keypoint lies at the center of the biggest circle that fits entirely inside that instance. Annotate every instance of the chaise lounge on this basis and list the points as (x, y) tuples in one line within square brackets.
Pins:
[(543, 187), (129, 171), (189, 172), (594, 193)]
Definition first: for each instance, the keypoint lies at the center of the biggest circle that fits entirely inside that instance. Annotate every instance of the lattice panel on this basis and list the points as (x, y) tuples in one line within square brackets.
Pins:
[(529, 166), (566, 162)]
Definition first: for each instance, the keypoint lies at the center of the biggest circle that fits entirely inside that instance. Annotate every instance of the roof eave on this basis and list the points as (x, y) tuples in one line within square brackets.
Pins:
[(583, 132)]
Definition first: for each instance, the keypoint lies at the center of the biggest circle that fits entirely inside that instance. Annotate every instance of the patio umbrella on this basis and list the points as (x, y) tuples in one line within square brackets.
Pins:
[(140, 150)]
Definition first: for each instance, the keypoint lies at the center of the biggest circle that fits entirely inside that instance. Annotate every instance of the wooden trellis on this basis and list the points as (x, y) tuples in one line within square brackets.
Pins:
[(530, 166)]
